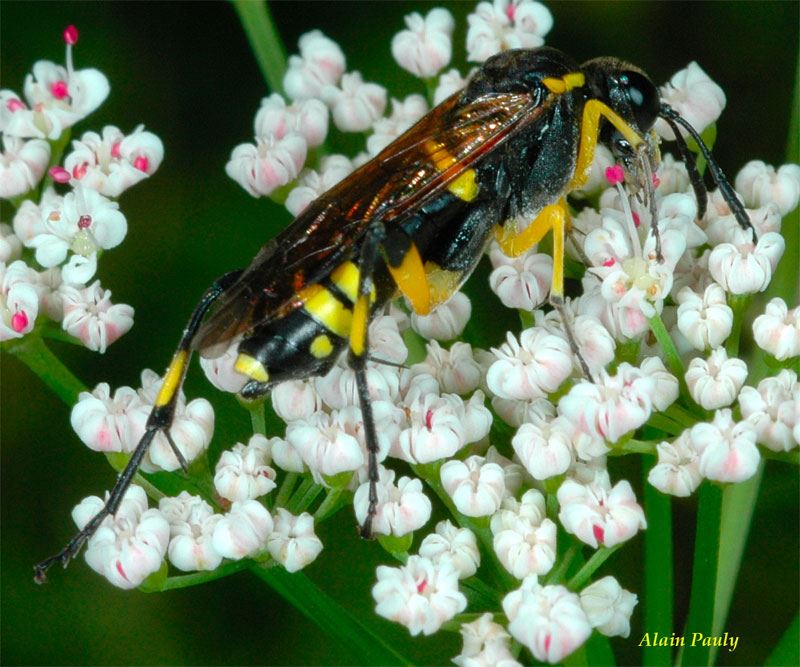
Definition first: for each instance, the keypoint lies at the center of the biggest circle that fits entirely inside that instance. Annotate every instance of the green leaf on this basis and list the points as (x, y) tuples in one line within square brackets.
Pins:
[(265, 40), (787, 651), (659, 586), (704, 575), (364, 643)]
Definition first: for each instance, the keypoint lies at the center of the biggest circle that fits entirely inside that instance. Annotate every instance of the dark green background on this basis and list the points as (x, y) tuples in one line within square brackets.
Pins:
[(185, 70)]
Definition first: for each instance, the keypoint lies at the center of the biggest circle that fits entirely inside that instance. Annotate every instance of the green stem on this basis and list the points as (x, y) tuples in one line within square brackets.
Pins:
[(739, 304), (257, 418), (329, 506), (265, 40), (663, 423), (584, 574), (658, 574), (187, 580), (364, 641), (673, 359), (634, 447), (287, 486), (557, 574), (704, 573), (32, 352)]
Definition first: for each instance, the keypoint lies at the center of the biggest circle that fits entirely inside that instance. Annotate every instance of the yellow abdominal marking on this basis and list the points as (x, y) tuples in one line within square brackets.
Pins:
[(321, 347), (464, 186), (346, 277), (172, 378), (565, 83), (251, 367), (358, 332), (326, 309)]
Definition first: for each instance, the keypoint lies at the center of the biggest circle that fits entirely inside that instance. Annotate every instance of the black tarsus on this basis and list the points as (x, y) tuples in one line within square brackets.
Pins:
[(160, 419), (668, 113), (367, 260)]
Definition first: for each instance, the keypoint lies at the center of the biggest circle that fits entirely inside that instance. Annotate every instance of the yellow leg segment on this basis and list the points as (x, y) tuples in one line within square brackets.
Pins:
[(559, 227), (593, 110), (358, 331), (514, 245), (172, 378)]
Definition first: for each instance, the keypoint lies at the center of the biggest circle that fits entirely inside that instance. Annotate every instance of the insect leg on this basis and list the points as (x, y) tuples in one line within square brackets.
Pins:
[(514, 245), (559, 223), (160, 419), (357, 359)]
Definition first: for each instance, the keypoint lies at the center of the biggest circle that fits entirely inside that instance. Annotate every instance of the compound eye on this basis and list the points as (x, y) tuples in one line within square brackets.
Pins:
[(643, 97)]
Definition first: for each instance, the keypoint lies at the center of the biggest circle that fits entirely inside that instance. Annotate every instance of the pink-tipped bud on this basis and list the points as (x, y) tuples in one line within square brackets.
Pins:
[(70, 35), (19, 321), (115, 150), (79, 170), (84, 222), (615, 174), (656, 181), (15, 104), (59, 90), (59, 174), (636, 219), (142, 163)]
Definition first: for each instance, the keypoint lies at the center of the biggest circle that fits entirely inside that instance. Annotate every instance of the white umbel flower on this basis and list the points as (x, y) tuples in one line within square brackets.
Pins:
[(531, 368), (129, 546), (677, 472), (486, 644), (420, 594), (402, 507), (244, 473), (446, 321), (777, 330), (548, 620), (425, 47), (760, 184), (524, 538), (742, 268), (728, 451), (715, 382), (609, 607), (191, 526), (774, 410), (506, 24), (693, 94), (293, 542), (599, 515), (707, 320), (243, 531), (476, 487), (457, 544)]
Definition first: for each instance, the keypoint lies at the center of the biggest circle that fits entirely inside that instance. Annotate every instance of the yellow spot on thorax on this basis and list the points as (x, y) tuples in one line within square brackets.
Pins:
[(565, 83)]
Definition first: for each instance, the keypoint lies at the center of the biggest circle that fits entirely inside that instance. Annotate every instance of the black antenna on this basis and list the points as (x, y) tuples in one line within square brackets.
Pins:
[(669, 114), (700, 192)]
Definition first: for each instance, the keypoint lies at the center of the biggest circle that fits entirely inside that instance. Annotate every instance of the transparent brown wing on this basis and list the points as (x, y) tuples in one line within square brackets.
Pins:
[(449, 140)]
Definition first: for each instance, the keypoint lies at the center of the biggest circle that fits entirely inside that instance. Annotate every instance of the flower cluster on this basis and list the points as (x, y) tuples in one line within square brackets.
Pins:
[(66, 208), (657, 324)]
